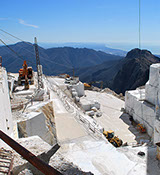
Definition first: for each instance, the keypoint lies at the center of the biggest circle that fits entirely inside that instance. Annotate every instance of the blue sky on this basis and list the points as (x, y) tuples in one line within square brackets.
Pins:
[(113, 22)]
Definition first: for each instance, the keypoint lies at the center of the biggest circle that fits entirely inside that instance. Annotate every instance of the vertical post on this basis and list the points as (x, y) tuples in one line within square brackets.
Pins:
[(39, 67), (73, 72), (35, 161), (0, 61)]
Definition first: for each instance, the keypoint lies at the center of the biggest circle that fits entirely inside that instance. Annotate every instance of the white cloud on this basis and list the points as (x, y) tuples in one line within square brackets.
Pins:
[(21, 21)]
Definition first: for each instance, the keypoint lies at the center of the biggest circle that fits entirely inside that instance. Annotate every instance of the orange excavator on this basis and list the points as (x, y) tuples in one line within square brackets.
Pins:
[(25, 74), (88, 86), (141, 128)]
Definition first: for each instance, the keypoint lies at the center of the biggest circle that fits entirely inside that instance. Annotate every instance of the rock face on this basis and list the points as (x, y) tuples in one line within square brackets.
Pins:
[(134, 71), (121, 75)]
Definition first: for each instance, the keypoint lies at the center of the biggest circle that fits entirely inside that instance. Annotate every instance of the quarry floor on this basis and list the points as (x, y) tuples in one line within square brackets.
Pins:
[(90, 154), (113, 119), (99, 156)]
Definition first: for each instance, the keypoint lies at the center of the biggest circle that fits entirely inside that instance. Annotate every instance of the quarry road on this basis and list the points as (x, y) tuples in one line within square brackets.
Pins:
[(112, 118), (67, 127)]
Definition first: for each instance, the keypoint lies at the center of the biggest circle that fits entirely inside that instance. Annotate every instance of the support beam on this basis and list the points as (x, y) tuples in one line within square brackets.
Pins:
[(36, 162)]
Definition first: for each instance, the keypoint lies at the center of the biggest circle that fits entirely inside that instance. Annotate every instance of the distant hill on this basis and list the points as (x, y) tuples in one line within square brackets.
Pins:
[(96, 46), (13, 63), (54, 60), (121, 75), (105, 71), (77, 57)]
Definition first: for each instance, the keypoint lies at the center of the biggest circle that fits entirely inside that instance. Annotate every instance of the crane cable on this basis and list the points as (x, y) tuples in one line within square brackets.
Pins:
[(12, 49), (139, 24), (15, 37), (17, 45), (63, 65), (140, 90), (18, 55)]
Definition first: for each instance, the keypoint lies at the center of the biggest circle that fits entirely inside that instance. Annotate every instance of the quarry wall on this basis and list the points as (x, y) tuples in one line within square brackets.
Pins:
[(144, 105), (141, 111), (6, 122), (157, 130)]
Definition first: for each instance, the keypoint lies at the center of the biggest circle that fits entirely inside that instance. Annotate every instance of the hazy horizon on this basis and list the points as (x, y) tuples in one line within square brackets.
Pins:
[(125, 47), (93, 45)]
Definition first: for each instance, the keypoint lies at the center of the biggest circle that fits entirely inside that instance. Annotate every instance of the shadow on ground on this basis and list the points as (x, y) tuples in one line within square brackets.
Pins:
[(139, 137), (153, 164)]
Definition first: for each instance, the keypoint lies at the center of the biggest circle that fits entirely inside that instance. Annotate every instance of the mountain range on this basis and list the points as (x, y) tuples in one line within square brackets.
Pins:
[(125, 74), (117, 72), (96, 46), (54, 60)]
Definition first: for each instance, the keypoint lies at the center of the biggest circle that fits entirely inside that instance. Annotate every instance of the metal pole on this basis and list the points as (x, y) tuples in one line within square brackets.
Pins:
[(0, 61), (139, 24), (39, 164), (39, 72)]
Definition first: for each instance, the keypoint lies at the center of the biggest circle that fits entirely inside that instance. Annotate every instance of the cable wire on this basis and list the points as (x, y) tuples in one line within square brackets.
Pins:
[(11, 49), (139, 24), (63, 65), (18, 45), (15, 37)]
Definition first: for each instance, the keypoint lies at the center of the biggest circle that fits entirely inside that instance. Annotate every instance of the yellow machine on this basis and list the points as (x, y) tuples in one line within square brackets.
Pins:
[(114, 140), (108, 134)]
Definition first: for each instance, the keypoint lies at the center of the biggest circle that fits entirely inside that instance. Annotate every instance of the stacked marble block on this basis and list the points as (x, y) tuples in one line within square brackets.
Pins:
[(152, 87), (141, 111), (152, 95), (144, 105)]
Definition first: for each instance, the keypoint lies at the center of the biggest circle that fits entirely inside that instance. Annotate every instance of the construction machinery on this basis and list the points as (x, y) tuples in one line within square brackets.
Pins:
[(88, 86), (64, 76), (25, 75), (141, 128), (108, 134), (114, 140)]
